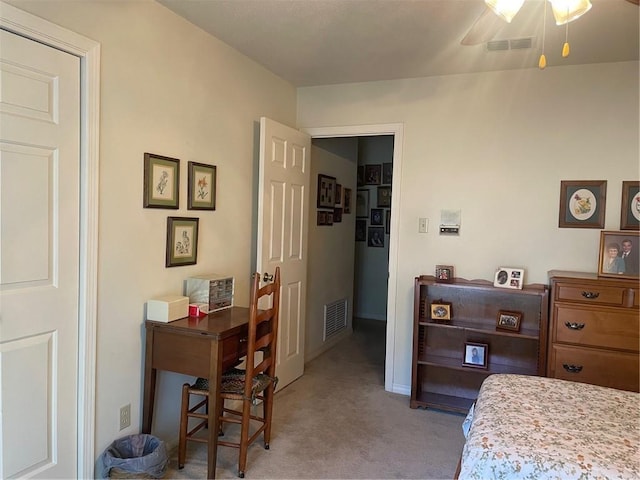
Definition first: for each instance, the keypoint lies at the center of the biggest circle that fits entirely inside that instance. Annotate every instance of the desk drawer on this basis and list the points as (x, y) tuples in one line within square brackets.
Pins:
[(235, 347), (597, 326), (599, 367), (590, 294)]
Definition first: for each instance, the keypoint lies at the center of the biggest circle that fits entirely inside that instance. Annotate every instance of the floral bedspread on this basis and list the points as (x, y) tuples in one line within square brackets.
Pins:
[(539, 428)]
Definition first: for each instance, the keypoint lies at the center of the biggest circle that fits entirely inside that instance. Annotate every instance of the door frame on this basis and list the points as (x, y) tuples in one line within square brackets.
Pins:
[(397, 130), (22, 23)]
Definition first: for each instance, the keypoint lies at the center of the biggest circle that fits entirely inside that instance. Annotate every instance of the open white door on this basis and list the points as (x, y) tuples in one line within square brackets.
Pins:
[(39, 259), (283, 221)]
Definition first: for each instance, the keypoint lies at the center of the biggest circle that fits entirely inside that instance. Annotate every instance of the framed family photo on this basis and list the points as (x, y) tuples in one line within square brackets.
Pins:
[(508, 321), (202, 187), (507, 277), (618, 255), (441, 310), (475, 355), (372, 174), (582, 203), (326, 191), (630, 206), (182, 241), (161, 181)]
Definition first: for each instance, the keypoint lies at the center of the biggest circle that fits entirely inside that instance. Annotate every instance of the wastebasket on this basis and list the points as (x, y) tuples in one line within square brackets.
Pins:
[(135, 456)]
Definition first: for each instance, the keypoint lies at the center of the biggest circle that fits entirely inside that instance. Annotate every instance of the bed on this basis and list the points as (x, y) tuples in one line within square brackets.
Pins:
[(535, 427)]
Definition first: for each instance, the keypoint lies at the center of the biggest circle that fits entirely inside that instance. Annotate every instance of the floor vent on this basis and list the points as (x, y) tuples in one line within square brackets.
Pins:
[(335, 318)]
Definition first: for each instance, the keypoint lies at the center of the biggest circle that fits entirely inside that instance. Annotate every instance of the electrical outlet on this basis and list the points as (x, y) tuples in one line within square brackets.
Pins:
[(125, 416)]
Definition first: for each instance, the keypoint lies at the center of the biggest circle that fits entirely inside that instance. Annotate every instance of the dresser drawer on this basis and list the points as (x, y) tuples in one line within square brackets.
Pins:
[(596, 326), (591, 294), (599, 367)]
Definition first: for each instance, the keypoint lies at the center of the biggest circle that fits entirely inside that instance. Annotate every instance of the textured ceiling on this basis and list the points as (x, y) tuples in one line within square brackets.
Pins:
[(321, 42)]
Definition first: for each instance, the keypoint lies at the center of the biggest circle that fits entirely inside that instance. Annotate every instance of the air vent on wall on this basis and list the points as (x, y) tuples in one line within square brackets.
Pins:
[(335, 317), (513, 44)]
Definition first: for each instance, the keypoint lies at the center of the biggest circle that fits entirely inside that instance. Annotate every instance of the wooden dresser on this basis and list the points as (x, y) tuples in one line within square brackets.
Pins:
[(594, 332)]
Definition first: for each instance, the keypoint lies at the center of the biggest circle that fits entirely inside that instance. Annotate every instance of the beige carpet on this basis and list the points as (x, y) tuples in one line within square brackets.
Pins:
[(337, 421)]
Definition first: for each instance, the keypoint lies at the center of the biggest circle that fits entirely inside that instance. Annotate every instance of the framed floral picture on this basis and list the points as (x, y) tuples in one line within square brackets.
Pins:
[(182, 241), (161, 181), (202, 187), (630, 206), (582, 203)]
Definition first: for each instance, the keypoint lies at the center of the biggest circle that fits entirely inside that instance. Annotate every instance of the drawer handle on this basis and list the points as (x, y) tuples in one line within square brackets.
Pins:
[(572, 368), (590, 295), (574, 325), (243, 340)]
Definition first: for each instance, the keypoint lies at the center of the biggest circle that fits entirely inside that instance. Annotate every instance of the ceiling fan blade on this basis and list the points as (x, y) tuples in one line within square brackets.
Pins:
[(483, 29)]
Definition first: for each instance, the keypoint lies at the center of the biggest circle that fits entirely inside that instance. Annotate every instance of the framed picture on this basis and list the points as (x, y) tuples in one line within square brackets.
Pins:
[(475, 355), (337, 215), (361, 230), (387, 173), (444, 273), (630, 206), (362, 203), (506, 277), (161, 181), (376, 237), (182, 241), (582, 203), (440, 310), (321, 218), (338, 195), (619, 254), (347, 201), (387, 221), (372, 174), (326, 191), (377, 216), (508, 321), (202, 186), (384, 196)]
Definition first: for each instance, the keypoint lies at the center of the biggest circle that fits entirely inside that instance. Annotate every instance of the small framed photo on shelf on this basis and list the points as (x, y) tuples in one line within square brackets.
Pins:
[(619, 254), (161, 182), (440, 310), (630, 206), (508, 321), (444, 273), (506, 277), (475, 355), (582, 203), (202, 186), (182, 241)]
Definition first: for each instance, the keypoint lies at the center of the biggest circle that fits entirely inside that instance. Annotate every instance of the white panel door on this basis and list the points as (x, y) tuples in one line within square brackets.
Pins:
[(283, 221), (39, 258)]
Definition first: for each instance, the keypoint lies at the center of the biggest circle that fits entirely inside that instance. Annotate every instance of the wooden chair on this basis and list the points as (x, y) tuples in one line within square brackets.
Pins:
[(256, 382)]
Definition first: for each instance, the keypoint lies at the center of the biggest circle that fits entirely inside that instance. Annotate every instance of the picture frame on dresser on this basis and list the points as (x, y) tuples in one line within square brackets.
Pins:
[(630, 206), (618, 254), (582, 203)]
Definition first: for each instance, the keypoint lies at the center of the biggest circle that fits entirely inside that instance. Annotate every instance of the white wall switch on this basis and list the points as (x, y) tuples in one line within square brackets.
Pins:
[(423, 225)]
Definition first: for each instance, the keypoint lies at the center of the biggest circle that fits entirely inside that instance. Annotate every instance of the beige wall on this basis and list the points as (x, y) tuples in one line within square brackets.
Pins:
[(495, 146), (166, 88)]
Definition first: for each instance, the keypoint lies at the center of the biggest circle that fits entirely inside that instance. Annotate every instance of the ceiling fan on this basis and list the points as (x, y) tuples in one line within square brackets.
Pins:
[(489, 23)]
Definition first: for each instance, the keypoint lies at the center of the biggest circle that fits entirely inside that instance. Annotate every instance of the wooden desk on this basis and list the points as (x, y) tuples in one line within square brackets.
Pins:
[(202, 347)]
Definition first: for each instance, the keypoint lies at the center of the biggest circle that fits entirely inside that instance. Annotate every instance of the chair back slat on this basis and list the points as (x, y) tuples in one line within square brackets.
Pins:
[(263, 328)]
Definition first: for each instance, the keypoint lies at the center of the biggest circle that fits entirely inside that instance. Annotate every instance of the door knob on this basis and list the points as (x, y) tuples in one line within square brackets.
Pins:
[(267, 277)]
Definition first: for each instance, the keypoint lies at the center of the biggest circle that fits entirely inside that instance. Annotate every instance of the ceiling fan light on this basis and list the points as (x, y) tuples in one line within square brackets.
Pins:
[(566, 11), (505, 9)]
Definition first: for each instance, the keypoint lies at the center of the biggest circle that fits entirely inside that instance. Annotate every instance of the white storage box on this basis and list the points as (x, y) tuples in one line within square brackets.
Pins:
[(214, 290), (167, 308)]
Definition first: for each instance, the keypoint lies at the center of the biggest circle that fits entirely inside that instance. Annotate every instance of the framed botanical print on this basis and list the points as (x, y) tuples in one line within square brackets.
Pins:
[(161, 181), (182, 241), (582, 203), (630, 206), (202, 187)]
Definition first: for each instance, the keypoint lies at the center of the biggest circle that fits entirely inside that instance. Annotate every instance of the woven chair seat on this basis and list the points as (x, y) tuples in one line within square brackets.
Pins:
[(232, 383)]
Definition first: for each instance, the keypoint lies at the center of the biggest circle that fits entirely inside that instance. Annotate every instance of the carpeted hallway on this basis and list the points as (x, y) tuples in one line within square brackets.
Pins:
[(337, 421)]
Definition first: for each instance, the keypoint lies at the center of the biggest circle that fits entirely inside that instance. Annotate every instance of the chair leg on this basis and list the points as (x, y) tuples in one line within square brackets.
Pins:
[(184, 423), (267, 405), (244, 437)]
